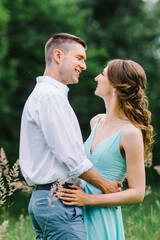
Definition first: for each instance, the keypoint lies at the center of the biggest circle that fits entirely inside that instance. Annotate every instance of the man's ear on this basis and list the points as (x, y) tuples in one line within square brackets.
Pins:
[(58, 55)]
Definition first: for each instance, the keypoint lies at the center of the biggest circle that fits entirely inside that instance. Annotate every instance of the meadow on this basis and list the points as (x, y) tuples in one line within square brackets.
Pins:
[(141, 222)]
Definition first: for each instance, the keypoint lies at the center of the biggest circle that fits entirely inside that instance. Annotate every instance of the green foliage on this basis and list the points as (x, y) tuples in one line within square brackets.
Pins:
[(127, 30), (112, 29), (25, 27)]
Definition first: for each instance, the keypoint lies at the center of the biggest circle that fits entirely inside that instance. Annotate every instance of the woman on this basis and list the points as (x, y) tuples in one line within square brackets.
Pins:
[(119, 141)]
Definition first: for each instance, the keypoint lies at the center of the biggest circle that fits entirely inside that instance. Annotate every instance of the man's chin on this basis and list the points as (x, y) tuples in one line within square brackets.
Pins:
[(75, 81)]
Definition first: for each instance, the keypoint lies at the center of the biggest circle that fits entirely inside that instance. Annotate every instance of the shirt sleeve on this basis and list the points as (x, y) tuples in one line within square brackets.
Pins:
[(57, 126)]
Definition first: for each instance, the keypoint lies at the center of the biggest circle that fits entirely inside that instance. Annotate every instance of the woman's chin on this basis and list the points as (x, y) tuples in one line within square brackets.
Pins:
[(96, 93)]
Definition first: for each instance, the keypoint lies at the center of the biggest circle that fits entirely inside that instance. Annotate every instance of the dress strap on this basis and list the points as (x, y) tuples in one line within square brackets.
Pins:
[(96, 123), (94, 127), (126, 126)]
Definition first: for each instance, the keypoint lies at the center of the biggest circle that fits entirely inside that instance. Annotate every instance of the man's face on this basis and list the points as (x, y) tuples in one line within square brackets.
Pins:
[(72, 64)]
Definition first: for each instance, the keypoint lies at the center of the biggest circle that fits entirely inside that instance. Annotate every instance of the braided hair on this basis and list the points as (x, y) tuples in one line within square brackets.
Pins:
[(129, 79)]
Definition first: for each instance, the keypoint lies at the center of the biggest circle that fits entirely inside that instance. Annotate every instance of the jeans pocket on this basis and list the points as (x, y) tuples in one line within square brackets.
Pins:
[(76, 215)]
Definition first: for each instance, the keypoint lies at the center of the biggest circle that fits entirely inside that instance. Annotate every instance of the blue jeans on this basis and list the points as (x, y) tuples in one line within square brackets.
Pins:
[(55, 223)]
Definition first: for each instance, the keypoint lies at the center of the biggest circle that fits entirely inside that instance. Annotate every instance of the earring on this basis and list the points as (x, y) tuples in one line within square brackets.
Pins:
[(113, 93)]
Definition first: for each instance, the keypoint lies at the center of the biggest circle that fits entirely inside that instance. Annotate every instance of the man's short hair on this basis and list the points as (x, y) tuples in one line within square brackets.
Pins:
[(60, 41)]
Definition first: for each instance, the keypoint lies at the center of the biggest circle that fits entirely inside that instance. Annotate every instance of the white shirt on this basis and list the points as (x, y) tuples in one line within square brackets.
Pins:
[(51, 144)]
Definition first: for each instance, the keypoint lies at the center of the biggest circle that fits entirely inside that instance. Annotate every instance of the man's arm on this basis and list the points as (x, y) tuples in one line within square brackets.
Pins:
[(92, 177)]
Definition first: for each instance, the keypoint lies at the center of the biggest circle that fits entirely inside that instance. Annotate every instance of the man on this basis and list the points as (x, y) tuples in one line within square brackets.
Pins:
[(51, 145)]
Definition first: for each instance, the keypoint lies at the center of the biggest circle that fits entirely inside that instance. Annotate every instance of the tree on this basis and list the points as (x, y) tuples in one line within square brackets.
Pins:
[(122, 29), (25, 27), (112, 29)]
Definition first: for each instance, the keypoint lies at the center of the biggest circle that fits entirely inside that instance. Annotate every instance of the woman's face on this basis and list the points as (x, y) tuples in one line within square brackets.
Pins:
[(104, 88)]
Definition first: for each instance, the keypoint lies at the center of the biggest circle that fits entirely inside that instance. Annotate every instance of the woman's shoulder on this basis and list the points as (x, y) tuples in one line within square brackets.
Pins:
[(94, 119), (131, 133), (132, 143), (132, 130)]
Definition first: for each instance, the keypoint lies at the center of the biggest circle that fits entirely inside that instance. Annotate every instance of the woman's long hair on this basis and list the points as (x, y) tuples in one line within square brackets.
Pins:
[(129, 79)]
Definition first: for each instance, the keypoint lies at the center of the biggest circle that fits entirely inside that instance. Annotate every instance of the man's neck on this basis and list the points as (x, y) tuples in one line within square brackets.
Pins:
[(52, 74)]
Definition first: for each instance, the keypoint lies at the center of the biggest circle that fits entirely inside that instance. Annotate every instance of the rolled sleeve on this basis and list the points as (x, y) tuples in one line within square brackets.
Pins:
[(81, 168)]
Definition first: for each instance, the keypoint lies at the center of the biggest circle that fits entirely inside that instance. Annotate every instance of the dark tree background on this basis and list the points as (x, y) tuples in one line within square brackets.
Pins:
[(127, 29)]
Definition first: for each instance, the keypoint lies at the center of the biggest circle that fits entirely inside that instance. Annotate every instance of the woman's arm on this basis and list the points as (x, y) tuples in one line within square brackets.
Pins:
[(132, 143)]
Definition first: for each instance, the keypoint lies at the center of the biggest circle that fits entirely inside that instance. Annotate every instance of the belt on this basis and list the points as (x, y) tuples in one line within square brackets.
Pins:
[(49, 185)]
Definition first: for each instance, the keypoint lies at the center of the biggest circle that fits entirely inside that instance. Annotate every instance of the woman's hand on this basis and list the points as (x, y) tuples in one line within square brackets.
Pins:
[(73, 197)]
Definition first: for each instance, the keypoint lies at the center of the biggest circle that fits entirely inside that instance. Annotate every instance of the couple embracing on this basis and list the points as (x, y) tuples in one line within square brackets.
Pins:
[(51, 146)]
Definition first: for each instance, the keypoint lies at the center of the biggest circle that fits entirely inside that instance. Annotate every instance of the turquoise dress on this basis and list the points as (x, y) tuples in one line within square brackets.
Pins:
[(105, 223)]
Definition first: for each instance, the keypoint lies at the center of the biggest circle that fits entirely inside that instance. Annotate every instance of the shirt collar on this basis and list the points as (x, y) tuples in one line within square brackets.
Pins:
[(62, 87)]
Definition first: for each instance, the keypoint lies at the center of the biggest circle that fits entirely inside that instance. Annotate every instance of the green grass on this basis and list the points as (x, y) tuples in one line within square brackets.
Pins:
[(141, 222), (19, 229)]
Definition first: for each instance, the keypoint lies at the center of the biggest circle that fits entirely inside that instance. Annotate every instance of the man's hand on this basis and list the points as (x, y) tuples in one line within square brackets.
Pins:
[(112, 187)]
